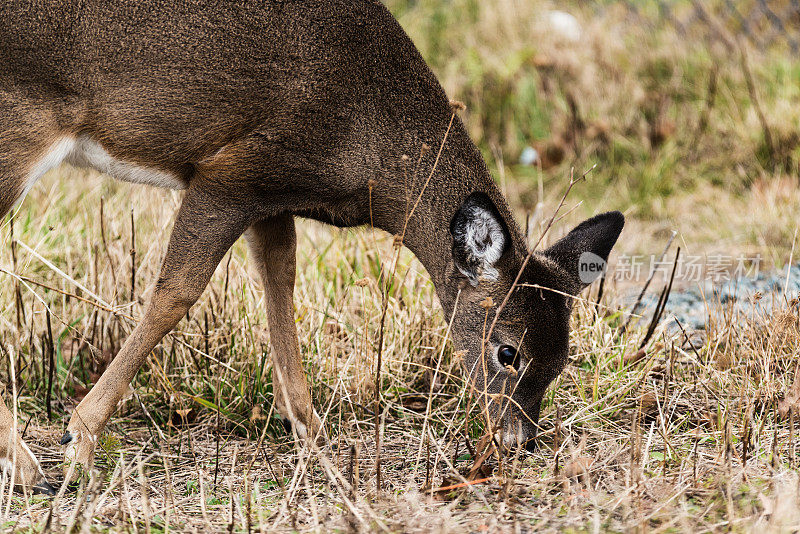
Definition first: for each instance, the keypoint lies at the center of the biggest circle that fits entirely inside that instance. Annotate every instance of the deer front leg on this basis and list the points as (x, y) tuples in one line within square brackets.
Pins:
[(17, 458), (206, 226), (273, 244)]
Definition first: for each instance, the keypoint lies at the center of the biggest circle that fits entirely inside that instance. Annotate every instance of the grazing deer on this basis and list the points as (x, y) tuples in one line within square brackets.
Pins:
[(263, 111)]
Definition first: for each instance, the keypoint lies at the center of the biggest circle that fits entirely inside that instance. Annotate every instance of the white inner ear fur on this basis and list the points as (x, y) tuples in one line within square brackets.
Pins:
[(485, 241)]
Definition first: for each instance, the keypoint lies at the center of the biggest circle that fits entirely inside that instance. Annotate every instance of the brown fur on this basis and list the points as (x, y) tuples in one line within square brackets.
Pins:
[(266, 111)]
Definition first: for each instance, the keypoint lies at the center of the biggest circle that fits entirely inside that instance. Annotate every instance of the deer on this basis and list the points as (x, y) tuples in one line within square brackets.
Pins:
[(263, 112)]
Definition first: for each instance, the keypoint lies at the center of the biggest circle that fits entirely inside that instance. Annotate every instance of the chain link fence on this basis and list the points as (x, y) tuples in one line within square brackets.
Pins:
[(764, 24)]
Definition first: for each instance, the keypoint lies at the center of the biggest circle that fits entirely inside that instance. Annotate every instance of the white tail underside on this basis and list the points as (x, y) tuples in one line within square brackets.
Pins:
[(84, 152)]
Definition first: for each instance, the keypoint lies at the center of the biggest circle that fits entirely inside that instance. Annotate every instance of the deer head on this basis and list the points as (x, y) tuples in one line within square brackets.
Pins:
[(513, 357)]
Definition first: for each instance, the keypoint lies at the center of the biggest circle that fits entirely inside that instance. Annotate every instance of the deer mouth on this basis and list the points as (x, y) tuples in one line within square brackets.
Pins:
[(520, 428)]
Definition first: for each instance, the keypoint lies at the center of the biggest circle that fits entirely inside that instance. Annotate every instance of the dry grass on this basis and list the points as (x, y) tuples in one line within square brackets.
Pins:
[(668, 117), (657, 443), (678, 436)]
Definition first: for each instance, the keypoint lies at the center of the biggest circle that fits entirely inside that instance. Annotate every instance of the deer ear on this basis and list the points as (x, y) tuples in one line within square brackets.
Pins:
[(584, 251), (480, 237)]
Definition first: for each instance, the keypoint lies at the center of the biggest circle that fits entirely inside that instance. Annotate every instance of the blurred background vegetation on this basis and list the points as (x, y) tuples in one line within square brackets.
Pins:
[(691, 110), (691, 113)]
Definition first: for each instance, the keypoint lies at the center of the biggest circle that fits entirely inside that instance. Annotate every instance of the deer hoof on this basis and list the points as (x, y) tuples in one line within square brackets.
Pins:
[(318, 430), (302, 430), (78, 452), (287, 425), (44, 488)]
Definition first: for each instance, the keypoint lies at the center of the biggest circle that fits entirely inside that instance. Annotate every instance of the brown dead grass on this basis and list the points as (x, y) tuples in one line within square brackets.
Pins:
[(657, 443), (675, 437)]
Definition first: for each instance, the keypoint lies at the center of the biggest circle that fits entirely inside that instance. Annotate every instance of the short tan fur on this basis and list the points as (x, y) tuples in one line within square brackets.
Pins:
[(264, 111)]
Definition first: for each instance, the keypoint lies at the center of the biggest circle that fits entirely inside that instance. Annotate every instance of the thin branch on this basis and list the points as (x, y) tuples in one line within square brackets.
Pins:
[(572, 182)]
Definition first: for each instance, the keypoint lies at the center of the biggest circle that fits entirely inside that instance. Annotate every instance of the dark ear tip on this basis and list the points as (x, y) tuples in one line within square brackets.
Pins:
[(609, 223), (614, 219), (617, 220), (596, 235)]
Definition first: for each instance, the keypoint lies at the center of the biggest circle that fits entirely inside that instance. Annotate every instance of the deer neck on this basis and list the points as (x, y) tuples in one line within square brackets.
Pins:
[(421, 214)]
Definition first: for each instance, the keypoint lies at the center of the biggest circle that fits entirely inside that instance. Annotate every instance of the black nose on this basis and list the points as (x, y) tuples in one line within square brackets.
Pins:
[(508, 355)]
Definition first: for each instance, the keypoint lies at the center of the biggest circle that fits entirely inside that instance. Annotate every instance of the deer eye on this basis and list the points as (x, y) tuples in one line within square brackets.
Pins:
[(508, 355)]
